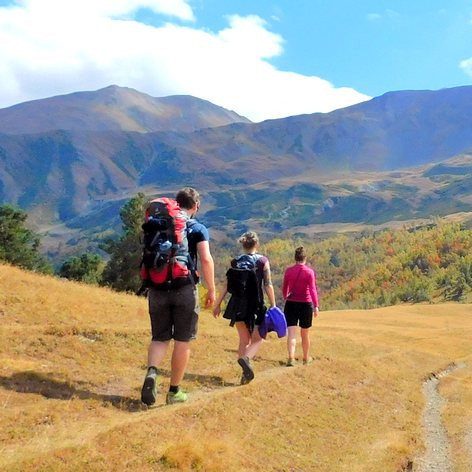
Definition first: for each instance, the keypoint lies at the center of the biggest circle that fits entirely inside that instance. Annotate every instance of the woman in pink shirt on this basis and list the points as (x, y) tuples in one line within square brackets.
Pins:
[(301, 304)]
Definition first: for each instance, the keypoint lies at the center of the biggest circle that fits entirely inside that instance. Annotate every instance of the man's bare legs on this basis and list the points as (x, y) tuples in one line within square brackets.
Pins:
[(179, 361), (156, 352), (180, 356)]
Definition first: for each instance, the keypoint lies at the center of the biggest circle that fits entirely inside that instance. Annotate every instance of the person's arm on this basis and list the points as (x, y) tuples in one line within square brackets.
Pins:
[(268, 287), (285, 286), (313, 293), (208, 271), (217, 309)]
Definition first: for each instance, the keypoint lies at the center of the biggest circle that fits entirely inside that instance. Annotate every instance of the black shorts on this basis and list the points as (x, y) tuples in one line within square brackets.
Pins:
[(299, 313), (174, 313)]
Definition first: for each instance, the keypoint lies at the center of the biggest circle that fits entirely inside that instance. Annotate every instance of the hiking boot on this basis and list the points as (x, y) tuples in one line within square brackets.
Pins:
[(308, 361), (244, 380), (149, 390), (291, 363), (248, 373), (179, 397)]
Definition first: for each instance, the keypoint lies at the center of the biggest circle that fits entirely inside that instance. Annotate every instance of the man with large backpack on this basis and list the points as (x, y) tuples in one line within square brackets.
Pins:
[(173, 243)]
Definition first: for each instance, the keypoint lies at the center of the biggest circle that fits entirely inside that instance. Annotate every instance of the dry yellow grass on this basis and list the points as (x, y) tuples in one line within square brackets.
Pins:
[(457, 390), (72, 360)]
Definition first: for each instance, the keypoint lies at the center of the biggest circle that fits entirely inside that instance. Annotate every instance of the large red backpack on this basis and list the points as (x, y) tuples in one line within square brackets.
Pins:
[(166, 260)]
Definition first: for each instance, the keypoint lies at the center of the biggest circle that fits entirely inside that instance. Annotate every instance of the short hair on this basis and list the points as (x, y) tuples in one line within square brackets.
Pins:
[(249, 240), (187, 197), (300, 254)]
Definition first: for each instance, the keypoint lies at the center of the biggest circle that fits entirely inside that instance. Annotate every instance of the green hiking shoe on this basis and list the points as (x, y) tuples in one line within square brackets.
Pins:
[(291, 363), (179, 397), (308, 361), (149, 390)]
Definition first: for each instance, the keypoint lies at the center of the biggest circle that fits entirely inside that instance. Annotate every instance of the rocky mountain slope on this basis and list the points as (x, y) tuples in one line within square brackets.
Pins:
[(114, 108), (73, 160)]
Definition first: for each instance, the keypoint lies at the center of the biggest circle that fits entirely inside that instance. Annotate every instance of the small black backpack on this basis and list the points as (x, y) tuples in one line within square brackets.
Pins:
[(242, 279)]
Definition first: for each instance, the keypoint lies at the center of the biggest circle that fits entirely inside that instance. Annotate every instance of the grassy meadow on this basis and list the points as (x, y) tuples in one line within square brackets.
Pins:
[(72, 361)]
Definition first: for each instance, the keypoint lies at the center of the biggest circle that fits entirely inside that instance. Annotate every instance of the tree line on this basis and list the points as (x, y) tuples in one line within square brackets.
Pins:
[(19, 246), (424, 264)]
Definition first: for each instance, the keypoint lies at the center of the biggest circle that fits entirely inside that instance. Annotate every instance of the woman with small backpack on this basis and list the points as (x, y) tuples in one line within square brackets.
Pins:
[(247, 278), (301, 305)]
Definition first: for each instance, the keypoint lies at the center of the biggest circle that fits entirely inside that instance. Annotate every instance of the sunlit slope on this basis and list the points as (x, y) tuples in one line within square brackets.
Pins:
[(72, 360), (114, 108)]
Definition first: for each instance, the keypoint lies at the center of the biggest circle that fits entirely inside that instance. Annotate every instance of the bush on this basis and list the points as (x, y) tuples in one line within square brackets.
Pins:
[(86, 268)]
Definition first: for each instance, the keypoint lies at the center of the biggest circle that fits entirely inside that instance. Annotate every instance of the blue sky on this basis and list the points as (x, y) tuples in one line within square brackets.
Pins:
[(263, 59), (373, 46)]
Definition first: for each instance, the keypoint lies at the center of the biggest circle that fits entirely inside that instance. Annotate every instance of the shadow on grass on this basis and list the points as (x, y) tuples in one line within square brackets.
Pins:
[(235, 351), (34, 382), (208, 381), (258, 358)]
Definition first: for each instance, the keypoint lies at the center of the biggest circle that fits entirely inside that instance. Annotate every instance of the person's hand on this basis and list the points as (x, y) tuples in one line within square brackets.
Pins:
[(316, 312), (210, 298), (217, 311)]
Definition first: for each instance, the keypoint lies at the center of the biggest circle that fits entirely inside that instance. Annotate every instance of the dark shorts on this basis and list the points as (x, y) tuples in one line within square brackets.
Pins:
[(174, 313), (299, 314)]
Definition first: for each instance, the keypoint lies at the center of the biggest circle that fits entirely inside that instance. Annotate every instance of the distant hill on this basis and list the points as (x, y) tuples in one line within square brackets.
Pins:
[(396, 130), (72, 161), (309, 204), (114, 108)]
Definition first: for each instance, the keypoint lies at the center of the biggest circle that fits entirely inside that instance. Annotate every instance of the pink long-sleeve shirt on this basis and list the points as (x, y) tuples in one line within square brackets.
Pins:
[(300, 284)]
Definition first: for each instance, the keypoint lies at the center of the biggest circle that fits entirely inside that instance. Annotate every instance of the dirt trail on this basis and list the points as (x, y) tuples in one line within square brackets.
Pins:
[(468, 444), (437, 456)]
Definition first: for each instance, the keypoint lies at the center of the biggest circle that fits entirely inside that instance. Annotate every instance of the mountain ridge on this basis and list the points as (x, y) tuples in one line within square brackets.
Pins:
[(68, 176), (114, 108)]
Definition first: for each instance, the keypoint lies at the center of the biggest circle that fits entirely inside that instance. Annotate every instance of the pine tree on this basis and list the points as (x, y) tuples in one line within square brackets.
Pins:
[(122, 270), (18, 244)]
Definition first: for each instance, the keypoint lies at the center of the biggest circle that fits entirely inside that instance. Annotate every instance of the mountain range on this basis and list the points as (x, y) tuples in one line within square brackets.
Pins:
[(114, 109), (71, 161)]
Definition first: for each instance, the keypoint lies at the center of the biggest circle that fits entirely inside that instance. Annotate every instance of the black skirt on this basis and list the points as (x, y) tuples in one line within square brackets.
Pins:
[(241, 309)]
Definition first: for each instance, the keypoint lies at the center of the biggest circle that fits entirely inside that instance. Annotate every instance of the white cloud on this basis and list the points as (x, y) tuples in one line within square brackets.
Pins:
[(466, 66), (392, 14), (48, 47), (386, 14), (374, 16), (81, 9), (248, 36)]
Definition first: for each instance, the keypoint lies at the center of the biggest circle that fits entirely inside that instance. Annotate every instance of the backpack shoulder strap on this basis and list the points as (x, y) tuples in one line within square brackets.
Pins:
[(191, 222)]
